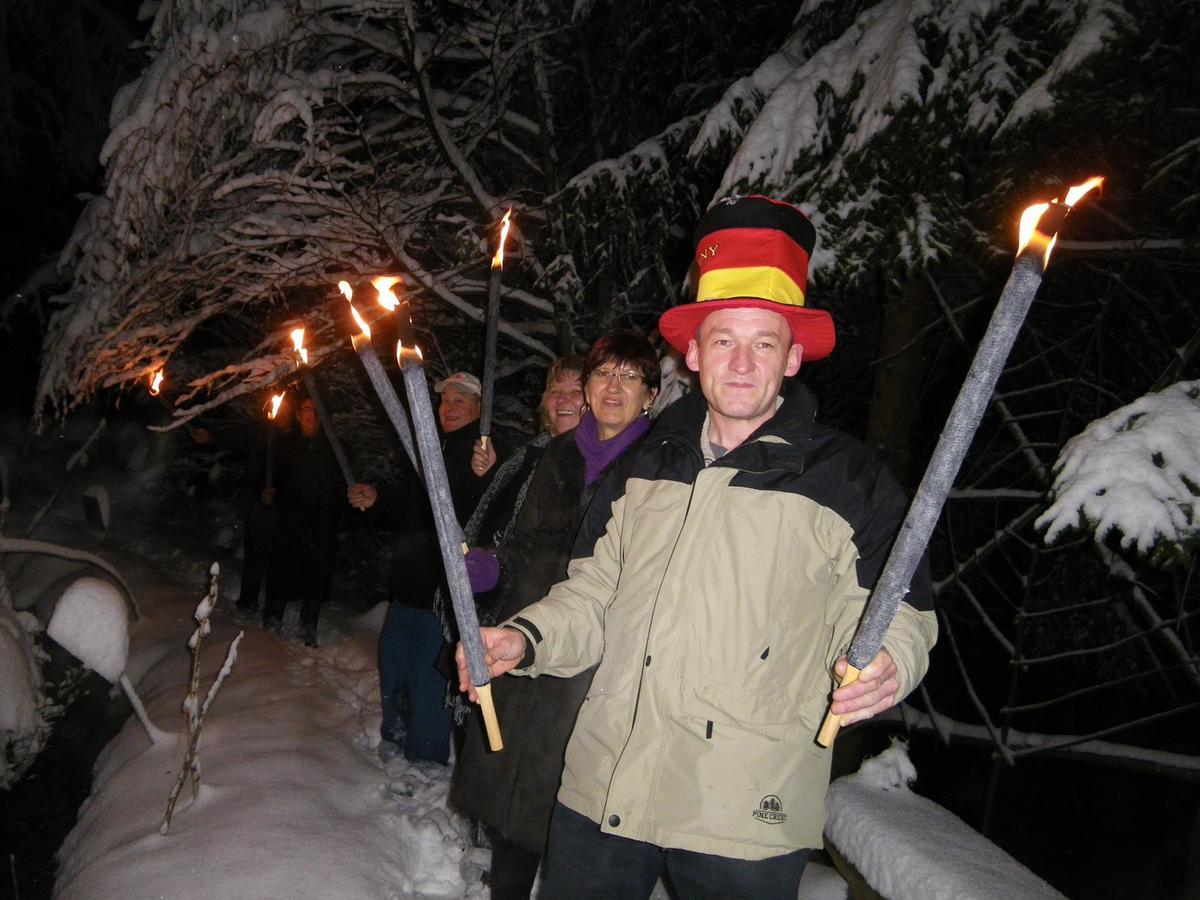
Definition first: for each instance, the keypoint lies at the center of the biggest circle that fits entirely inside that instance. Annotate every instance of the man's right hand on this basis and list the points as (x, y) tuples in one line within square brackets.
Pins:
[(268, 496), (503, 648)]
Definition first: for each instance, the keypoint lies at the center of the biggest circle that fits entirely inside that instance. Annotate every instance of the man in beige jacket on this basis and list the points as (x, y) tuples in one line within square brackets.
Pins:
[(719, 578)]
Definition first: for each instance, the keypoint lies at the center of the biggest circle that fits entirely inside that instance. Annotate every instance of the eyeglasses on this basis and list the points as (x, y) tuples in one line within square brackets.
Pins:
[(610, 374)]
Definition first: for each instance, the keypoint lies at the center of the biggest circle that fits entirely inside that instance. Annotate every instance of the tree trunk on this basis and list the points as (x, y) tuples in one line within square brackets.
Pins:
[(900, 373)]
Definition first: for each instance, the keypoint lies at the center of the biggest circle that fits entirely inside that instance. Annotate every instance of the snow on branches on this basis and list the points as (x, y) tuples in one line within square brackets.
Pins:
[(1135, 473), (268, 150), (867, 113)]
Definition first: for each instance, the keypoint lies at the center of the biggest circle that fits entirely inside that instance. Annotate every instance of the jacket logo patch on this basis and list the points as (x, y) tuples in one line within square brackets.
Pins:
[(770, 810)]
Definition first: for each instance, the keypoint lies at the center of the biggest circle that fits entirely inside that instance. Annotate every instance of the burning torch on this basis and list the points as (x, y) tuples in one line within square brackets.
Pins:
[(310, 384), (374, 368), (491, 325), (1038, 230), (272, 413)]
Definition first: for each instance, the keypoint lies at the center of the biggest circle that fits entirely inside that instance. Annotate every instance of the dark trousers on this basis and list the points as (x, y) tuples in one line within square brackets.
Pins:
[(301, 568), (584, 862), (258, 538), (513, 871), (412, 691)]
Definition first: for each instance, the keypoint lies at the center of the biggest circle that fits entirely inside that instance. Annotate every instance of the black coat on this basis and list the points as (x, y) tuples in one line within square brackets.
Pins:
[(310, 496), (416, 568), (514, 790)]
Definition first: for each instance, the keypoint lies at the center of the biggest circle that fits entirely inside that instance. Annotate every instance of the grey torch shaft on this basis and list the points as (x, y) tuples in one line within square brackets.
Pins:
[(491, 326), (448, 530), (390, 400), (339, 452), (947, 458)]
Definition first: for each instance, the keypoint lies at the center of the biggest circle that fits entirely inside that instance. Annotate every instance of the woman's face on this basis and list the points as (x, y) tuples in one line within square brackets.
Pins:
[(617, 394), (563, 402)]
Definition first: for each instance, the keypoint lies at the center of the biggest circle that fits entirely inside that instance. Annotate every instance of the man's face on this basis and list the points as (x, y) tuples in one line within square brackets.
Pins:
[(742, 356), (306, 415), (457, 409)]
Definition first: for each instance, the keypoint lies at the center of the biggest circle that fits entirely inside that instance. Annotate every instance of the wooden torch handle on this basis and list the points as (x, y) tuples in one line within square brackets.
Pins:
[(490, 722), (829, 728)]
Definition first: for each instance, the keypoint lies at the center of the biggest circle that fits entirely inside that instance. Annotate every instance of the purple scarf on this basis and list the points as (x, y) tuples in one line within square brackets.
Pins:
[(597, 454)]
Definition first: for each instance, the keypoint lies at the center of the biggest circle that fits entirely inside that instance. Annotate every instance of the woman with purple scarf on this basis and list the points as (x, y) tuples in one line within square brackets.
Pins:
[(512, 792)]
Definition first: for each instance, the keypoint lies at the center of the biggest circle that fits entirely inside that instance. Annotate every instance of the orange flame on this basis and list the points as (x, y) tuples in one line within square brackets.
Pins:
[(362, 323), (156, 381), (274, 403), (383, 285), (298, 340), (505, 223), (1077, 193), (401, 352), (1031, 218), (347, 291)]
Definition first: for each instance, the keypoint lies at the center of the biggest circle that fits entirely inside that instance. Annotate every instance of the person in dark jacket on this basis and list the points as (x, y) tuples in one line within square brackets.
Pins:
[(257, 509), (309, 499), (512, 792), (412, 690)]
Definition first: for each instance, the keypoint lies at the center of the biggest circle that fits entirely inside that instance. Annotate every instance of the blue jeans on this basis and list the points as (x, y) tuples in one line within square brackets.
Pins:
[(412, 692), (584, 862)]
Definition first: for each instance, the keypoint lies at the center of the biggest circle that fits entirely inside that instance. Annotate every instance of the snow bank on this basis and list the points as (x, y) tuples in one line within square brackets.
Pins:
[(909, 848), (293, 801), (91, 622)]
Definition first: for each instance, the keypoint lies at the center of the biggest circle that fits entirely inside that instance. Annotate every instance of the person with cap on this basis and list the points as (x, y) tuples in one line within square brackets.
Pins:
[(729, 569), (415, 718)]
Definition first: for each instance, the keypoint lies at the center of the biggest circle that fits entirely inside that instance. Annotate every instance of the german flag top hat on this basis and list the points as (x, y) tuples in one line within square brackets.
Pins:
[(753, 252)]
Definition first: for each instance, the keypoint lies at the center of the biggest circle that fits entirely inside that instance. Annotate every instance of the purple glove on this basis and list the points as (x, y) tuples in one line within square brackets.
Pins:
[(483, 569)]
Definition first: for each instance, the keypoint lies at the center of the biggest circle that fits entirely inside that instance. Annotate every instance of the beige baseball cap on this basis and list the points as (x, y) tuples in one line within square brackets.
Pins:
[(460, 381)]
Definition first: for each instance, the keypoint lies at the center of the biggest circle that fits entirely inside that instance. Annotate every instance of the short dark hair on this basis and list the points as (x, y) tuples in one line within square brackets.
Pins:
[(625, 346)]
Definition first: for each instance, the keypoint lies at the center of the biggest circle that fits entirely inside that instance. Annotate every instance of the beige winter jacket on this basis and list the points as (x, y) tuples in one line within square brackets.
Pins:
[(716, 602)]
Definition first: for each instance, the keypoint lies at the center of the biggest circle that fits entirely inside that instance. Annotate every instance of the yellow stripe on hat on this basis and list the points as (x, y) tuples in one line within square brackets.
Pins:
[(764, 282)]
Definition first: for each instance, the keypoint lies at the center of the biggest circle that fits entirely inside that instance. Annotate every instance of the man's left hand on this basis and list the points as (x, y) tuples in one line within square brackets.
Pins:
[(874, 691)]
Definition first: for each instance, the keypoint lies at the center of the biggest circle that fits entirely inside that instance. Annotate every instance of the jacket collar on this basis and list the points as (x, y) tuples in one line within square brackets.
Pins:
[(791, 424)]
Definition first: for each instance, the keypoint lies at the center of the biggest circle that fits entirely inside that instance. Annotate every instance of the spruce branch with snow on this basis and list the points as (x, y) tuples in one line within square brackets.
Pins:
[(1135, 474)]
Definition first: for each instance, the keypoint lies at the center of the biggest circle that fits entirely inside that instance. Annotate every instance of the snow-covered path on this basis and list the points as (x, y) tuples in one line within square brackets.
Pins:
[(294, 800)]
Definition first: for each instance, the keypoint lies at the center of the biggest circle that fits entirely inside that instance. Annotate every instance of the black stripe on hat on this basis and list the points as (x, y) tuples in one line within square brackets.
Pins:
[(758, 212)]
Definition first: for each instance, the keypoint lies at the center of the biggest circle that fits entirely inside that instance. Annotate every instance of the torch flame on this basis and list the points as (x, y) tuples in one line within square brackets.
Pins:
[(1077, 193), (362, 323), (401, 353), (298, 340), (347, 291), (383, 285), (1029, 221), (498, 259), (156, 383), (275, 403), (1031, 218)]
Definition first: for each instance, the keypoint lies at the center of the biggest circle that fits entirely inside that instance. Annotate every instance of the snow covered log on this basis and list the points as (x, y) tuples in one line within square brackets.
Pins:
[(909, 848)]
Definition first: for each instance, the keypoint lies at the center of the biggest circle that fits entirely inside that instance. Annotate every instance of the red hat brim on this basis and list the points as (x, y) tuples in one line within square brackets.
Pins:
[(811, 328)]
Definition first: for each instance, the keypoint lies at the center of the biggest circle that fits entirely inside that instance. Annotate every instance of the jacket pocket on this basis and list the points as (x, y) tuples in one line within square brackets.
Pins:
[(768, 713)]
